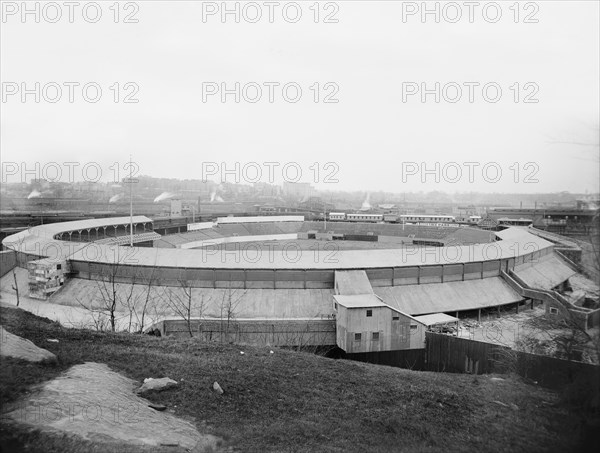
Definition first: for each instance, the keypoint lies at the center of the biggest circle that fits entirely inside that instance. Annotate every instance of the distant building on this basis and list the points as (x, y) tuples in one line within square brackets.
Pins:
[(298, 190), (176, 208)]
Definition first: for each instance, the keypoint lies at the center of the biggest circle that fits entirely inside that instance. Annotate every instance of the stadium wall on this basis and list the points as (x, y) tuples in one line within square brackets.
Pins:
[(273, 277), (8, 261), (288, 278)]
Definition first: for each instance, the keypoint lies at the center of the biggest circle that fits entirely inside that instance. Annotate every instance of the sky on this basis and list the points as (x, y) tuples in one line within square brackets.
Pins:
[(360, 120)]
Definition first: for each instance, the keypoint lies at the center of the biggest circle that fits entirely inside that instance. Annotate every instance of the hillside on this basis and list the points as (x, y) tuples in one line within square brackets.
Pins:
[(293, 401)]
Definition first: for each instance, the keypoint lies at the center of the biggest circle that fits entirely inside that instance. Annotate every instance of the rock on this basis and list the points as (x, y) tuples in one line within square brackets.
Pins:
[(271, 352), (20, 348), (156, 384), (94, 403), (242, 352), (217, 388), (157, 407)]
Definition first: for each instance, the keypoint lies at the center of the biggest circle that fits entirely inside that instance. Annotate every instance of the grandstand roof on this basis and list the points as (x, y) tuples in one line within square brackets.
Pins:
[(448, 297), (49, 230), (213, 257), (545, 273)]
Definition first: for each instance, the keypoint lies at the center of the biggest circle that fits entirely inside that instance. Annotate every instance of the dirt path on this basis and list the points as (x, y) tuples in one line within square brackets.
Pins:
[(99, 405)]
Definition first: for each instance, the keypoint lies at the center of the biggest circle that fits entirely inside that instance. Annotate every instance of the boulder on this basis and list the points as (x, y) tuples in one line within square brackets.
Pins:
[(157, 407), (20, 348), (156, 384), (217, 388)]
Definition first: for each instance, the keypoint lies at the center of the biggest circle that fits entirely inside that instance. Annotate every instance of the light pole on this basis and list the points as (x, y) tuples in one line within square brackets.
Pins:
[(130, 205), (130, 181)]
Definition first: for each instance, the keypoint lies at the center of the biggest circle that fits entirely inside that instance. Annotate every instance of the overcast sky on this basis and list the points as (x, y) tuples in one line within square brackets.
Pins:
[(377, 134)]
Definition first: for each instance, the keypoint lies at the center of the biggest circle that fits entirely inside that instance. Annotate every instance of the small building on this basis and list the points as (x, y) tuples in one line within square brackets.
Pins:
[(439, 322), (366, 324), (46, 276), (506, 222)]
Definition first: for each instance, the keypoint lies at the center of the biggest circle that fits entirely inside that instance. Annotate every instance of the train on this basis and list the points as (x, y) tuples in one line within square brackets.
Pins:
[(416, 219)]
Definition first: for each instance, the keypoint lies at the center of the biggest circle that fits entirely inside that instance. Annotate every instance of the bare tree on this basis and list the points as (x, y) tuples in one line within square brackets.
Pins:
[(228, 309), (129, 300), (16, 286), (562, 335), (105, 306), (99, 320), (148, 301), (181, 302)]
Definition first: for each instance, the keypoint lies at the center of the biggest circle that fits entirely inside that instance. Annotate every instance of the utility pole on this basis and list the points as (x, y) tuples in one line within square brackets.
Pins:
[(130, 204)]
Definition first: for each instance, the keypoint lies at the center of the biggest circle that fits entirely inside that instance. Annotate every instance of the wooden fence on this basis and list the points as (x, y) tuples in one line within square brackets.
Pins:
[(445, 353), (285, 333)]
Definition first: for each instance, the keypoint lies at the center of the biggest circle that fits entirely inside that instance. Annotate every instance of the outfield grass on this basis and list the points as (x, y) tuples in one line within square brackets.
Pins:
[(293, 401)]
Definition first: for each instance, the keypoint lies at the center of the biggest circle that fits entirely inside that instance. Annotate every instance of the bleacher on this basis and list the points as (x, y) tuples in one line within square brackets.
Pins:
[(256, 229), (446, 235), (214, 234), (125, 239), (289, 227), (232, 229), (467, 236)]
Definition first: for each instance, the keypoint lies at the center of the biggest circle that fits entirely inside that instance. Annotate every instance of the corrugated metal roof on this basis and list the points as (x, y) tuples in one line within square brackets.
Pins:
[(352, 282), (546, 273), (436, 318), (55, 228), (248, 303), (328, 259), (286, 259), (50, 229), (359, 301), (448, 297)]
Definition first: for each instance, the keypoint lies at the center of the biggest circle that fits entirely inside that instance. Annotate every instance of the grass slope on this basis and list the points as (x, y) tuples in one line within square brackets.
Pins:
[(292, 401)]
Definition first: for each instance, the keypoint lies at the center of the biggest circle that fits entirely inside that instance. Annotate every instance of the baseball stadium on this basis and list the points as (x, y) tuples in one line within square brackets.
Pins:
[(281, 280)]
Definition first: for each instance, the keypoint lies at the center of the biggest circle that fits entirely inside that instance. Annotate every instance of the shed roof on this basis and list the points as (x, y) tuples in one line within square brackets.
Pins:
[(352, 282), (436, 318), (359, 301)]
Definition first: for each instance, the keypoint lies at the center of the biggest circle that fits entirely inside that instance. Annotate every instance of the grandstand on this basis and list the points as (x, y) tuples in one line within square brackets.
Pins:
[(383, 232), (472, 270)]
